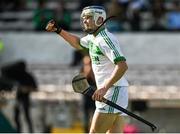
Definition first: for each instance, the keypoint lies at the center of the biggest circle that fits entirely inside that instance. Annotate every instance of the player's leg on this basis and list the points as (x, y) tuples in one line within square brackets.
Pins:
[(118, 125), (106, 117), (102, 122), (122, 101)]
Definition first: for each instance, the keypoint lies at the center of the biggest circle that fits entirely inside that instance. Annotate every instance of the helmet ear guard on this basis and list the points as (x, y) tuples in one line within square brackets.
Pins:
[(99, 13), (99, 21)]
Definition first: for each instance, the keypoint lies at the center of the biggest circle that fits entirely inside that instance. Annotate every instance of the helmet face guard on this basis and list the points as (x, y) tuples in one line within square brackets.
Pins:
[(95, 12)]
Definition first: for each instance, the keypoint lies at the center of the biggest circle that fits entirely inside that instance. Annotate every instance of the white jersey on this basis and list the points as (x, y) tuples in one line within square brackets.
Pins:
[(105, 52)]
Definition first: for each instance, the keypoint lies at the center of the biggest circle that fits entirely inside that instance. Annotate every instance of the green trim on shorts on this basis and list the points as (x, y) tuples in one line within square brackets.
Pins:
[(114, 98)]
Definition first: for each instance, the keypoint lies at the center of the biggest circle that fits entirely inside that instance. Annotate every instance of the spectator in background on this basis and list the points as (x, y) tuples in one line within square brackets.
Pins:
[(63, 16), (19, 5), (124, 5), (158, 8), (64, 20), (12, 5), (173, 17), (116, 9), (41, 16), (26, 84), (157, 25), (4, 5), (158, 14), (134, 16), (88, 103), (84, 3)]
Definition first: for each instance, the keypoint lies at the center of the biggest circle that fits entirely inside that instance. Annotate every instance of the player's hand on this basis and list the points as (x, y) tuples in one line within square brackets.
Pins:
[(51, 27), (99, 94)]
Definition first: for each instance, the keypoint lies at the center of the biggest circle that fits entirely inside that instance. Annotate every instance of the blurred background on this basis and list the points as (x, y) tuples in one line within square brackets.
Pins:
[(148, 31)]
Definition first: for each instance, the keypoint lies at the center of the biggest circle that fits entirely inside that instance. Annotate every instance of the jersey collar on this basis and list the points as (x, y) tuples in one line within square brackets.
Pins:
[(99, 30)]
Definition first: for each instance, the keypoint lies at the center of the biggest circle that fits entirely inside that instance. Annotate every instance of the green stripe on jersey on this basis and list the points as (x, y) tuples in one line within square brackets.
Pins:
[(110, 44)]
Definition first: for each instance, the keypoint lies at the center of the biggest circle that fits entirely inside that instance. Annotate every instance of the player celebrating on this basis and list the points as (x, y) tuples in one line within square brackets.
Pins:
[(109, 66)]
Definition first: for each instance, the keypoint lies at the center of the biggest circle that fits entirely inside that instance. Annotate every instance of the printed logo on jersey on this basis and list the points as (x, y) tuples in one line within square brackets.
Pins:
[(94, 49), (95, 53), (95, 60)]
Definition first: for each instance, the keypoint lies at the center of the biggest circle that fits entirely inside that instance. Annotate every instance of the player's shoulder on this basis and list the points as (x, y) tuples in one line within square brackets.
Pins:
[(106, 34), (86, 38), (106, 37)]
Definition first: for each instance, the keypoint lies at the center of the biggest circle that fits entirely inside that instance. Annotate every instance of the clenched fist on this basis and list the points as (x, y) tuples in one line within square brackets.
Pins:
[(52, 27)]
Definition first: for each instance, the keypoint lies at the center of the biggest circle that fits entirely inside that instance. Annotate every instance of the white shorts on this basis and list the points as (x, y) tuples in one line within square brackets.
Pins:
[(116, 94)]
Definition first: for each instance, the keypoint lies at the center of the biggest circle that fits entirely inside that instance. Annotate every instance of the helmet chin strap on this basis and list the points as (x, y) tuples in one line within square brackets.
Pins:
[(94, 31)]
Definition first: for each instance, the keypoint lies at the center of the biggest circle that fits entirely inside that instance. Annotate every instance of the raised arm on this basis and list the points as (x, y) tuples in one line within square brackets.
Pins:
[(73, 40)]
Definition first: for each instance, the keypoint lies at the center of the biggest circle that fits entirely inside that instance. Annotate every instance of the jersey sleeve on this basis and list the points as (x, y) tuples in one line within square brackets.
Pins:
[(84, 42), (111, 48)]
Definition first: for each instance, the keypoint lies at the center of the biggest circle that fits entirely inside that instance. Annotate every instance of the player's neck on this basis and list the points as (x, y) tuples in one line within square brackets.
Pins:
[(99, 30)]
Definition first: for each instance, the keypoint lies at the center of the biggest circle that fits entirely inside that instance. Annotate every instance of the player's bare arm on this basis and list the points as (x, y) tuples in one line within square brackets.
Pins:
[(73, 40), (118, 72)]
